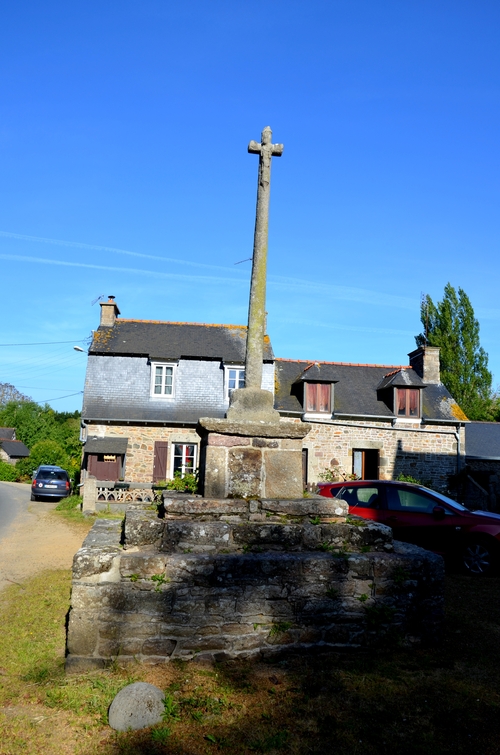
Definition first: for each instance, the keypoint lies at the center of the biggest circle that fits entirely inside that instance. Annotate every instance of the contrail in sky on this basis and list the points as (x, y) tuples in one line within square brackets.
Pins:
[(79, 245), (135, 271)]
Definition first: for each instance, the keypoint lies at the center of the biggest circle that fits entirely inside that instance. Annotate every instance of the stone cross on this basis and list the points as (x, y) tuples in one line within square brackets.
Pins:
[(257, 309)]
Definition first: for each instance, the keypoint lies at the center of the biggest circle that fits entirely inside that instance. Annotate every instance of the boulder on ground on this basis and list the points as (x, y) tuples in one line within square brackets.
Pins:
[(136, 706)]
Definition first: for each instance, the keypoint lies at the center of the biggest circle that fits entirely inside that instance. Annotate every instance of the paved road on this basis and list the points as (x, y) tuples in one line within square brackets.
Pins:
[(14, 500)]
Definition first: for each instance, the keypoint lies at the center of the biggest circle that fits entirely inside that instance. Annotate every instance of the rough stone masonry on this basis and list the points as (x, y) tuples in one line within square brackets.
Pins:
[(218, 579)]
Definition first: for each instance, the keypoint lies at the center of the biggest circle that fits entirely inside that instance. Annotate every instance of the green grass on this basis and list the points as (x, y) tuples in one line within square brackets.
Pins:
[(441, 700)]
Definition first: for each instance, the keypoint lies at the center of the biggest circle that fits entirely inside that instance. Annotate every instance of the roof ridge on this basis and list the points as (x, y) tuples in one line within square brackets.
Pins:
[(174, 322), (395, 367)]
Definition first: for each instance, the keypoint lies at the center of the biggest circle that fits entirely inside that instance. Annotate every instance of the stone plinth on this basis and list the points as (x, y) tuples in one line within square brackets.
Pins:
[(229, 579), (247, 459)]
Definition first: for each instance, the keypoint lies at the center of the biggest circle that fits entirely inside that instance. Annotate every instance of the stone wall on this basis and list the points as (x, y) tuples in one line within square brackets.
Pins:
[(428, 453), (222, 579), (140, 447)]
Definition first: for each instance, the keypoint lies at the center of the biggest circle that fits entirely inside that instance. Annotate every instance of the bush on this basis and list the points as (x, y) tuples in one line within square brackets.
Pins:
[(186, 484), (43, 452), (8, 473)]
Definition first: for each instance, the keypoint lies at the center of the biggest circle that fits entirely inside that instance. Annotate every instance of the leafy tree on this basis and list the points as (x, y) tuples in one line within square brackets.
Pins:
[(36, 425), (43, 452), (9, 393), (452, 326)]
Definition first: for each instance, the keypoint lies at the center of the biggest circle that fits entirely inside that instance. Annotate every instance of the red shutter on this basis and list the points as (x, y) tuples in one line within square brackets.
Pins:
[(160, 461)]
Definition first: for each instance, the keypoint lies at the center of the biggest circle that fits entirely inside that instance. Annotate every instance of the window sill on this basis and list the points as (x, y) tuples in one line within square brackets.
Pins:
[(323, 417)]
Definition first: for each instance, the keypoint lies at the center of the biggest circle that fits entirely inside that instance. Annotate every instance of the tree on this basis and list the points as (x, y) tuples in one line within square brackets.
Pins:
[(451, 325), (9, 393)]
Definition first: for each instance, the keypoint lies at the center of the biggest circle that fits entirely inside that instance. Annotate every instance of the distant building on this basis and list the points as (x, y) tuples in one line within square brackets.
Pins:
[(11, 450)]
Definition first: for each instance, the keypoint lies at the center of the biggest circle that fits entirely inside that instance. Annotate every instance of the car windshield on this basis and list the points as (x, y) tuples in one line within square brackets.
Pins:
[(51, 474), (445, 499)]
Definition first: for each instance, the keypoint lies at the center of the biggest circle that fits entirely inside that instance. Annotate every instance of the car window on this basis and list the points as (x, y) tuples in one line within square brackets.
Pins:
[(52, 474), (367, 498), (401, 499)]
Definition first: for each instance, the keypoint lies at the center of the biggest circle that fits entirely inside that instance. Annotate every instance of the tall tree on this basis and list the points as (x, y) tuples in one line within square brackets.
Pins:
[(451, 325), (9, 392)]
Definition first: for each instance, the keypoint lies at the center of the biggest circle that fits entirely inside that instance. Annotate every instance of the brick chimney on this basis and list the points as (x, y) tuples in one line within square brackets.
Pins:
[(425, 362), (109, 312)]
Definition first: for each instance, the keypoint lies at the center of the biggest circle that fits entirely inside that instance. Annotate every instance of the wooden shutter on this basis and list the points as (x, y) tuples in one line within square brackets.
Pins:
[(160, 461)]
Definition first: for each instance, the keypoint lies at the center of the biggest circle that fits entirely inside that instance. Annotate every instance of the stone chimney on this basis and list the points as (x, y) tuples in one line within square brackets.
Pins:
[(109, 312), (425, 362)]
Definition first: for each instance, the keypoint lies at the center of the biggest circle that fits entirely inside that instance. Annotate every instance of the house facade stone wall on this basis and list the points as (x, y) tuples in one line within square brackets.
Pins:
[(140, 447), (427, 453)]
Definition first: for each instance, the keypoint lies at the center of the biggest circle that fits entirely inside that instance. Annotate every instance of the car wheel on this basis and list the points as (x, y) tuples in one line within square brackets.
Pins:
[(479, 557), (33, 498)]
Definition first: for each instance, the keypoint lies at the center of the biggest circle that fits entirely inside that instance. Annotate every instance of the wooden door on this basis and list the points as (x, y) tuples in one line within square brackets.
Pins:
[(105, 466), (160, 461)]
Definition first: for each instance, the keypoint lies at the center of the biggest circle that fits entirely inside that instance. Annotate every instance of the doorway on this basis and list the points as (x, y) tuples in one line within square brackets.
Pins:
[(365, 463)]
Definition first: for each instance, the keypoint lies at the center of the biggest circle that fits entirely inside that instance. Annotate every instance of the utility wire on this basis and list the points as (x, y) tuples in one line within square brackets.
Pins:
[(43, 343), (46, 400)]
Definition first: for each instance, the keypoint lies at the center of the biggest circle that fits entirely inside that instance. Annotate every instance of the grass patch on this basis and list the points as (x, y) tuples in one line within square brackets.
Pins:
[(417, 701)]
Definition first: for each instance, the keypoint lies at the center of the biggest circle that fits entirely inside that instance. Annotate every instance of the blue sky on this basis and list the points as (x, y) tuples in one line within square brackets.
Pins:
[(123, 143)]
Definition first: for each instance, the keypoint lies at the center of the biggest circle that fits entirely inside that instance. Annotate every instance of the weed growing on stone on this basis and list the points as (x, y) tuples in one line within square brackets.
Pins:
[(134, 577), (315, 520), (280, 627), (159, 580)]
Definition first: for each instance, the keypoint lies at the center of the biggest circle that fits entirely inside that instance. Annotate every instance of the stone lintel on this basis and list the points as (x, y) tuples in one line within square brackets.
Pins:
[(251, 429)]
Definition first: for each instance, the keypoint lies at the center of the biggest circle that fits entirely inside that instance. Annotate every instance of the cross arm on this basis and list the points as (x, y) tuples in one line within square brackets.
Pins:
[(256, 149)]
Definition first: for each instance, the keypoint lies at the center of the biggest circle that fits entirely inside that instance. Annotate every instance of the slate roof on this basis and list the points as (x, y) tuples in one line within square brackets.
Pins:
[(357, 392), (7, 433), (173, 340), (106, 445), (15, 448), (402, 378), (482, 440)]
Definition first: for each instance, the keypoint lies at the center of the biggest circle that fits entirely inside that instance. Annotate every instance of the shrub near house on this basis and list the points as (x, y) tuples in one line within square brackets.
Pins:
[(52, 437)]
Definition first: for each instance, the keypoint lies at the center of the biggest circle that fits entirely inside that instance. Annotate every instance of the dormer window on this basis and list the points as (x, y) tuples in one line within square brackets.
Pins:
[(407, 402), (318, 398), (162, 380), (234, 379)]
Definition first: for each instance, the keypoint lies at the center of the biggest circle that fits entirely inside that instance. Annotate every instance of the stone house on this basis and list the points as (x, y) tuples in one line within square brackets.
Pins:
[(11, 450), (149, 382)]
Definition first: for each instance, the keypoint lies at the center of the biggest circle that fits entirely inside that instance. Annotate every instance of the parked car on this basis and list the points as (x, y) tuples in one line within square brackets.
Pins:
[(50, 482), (470, 539)]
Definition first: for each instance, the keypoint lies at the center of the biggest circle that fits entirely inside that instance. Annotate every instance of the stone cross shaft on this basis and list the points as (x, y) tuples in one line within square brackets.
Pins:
[(257, 309)]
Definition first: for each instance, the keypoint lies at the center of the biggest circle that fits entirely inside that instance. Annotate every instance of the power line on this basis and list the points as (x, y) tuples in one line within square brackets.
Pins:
[(42, 343), (46, 400)]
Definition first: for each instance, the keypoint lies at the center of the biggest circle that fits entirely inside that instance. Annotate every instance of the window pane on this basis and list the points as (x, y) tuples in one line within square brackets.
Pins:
[(413, 395), (401, 401), (311, 397), (158, 379), (169, 374), (324, 397), (241, 380), (232, 379)]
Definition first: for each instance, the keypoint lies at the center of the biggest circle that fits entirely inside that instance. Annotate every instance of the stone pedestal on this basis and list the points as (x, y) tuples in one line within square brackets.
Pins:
[(248, 459)]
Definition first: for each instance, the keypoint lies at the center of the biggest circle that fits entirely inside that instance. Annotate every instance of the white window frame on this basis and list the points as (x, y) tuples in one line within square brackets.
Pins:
[(163, 365), (183, 443), (239, 368)]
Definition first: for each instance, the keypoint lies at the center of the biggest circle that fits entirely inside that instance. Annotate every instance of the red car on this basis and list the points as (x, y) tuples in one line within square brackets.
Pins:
[(426, 518)]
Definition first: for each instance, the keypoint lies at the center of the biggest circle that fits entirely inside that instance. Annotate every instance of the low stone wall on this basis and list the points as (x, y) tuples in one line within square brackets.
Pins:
[(221, 579)]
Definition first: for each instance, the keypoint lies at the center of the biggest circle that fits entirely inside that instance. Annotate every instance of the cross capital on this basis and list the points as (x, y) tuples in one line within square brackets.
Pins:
[(265, 148)]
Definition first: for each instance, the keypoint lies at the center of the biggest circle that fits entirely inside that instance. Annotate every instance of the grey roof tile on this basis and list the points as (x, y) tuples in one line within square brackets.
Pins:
[(356, 391), (173, 340), (15, 448), (482, 440), (106, 445)]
